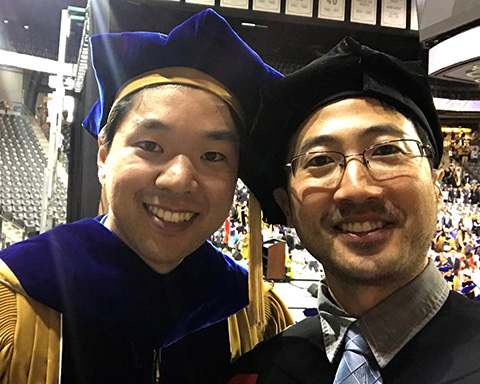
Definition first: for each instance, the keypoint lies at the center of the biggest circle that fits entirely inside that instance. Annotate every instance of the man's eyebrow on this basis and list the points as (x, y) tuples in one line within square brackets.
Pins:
[(316, 141), (372, 131), (217, 134), (223, 135), (151, 124), (385, 129)]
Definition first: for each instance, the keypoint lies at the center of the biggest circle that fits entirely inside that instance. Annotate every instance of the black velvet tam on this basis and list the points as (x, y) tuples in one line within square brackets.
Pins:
[(349, 70)]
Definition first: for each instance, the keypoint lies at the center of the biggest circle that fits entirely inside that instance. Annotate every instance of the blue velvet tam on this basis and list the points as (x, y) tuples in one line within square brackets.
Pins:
[(310, 312), (444, 268), (202, 52), (349, 70), (469, 288)]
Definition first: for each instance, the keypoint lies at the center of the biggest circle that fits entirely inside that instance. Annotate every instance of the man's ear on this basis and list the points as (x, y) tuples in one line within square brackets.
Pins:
[(437, 176), (282, 199), (101, 161)]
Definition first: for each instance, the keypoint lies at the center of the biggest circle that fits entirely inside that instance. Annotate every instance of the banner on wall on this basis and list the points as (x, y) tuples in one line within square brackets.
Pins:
[(364, 11), (394, 14), (414, 16), (266, 5), (204, 2), (241, 4), (331, 9), (299, 8)]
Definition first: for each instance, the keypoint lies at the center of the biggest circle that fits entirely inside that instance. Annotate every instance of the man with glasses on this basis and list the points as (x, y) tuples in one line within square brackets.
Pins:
[(361, 140)]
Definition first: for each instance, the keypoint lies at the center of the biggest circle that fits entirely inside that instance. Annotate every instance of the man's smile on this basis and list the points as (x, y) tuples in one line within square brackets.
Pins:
[(169, 216)]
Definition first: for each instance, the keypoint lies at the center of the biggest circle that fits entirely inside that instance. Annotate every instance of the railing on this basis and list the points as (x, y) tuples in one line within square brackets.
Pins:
[(7, 237)]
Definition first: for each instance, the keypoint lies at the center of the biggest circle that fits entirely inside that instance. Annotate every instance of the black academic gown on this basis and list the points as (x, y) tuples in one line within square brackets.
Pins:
[(119, 316), (445, 351)]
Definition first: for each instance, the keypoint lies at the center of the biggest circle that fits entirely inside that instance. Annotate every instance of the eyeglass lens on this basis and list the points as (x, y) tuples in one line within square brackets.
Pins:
[(384, 161)]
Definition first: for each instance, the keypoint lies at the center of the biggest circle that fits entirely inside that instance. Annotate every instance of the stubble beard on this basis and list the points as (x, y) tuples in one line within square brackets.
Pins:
[(351, 268)]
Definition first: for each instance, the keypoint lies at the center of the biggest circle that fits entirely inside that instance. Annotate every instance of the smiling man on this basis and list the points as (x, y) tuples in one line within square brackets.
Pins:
[(139, 295), (166, 196), (352, 164), (357, 210)]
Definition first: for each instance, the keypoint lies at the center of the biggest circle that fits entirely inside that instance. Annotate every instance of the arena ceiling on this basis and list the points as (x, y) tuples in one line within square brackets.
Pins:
[(44, 14), (43, 18)]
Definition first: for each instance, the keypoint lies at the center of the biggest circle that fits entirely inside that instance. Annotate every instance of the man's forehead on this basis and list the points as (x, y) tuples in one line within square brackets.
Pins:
[(167, 91), (356, 113), (365, 119)]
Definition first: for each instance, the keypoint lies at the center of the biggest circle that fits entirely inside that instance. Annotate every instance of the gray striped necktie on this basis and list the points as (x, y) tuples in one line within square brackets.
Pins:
[(357, 365)]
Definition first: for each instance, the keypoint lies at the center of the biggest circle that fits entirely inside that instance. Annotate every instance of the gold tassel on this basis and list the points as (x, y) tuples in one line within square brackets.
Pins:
[(255, 265)]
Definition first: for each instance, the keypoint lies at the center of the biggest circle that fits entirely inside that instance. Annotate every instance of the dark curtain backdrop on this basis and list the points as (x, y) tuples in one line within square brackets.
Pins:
[(84, 188)]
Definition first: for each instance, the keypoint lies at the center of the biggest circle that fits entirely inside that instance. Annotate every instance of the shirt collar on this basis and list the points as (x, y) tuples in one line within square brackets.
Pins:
[(334, 321), (392, 323)]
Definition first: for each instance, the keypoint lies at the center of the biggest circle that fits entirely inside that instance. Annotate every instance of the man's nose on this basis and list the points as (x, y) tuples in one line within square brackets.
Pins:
[(357, 184), (178, 175)]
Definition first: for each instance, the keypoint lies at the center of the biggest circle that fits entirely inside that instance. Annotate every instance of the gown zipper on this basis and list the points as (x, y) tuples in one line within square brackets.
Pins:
[(157, 360)]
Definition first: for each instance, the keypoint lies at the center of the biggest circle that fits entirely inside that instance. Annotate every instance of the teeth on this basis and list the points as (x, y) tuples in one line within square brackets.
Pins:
[(365, 226), (172, 217)]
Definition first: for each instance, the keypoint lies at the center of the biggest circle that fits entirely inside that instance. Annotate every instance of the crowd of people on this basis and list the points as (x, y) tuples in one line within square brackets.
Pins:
[(456, 246), (233, 237), (462, 148)]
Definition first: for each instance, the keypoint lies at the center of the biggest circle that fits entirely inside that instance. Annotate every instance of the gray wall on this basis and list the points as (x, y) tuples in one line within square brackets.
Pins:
[(11, 84)]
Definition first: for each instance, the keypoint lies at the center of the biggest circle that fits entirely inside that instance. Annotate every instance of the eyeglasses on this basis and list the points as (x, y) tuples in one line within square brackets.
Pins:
[(384, 161)]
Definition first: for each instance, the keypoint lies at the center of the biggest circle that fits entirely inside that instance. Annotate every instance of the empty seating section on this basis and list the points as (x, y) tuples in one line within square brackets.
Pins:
[(16, 39), (22, 167)]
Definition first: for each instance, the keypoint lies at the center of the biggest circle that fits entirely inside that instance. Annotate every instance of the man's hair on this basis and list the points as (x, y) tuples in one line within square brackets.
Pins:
[(116, 118)]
